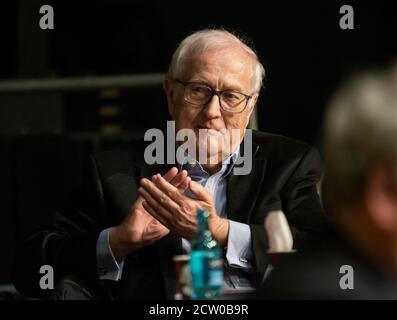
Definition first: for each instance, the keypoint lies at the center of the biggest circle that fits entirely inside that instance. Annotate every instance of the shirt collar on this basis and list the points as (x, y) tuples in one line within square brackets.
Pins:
[(192, 166)]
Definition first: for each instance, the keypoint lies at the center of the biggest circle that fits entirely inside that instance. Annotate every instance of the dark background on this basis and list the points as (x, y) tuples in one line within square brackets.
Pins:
[(45, 136)]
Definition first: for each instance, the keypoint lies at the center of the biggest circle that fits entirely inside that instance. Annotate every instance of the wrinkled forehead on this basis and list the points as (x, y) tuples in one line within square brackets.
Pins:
[(231, 62)]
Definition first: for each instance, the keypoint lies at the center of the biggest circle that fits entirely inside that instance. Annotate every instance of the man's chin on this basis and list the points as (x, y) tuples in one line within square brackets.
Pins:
[(210, 152)]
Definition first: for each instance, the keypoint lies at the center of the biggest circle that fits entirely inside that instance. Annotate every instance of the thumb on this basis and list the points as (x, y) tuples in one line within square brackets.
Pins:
[(199, 191)]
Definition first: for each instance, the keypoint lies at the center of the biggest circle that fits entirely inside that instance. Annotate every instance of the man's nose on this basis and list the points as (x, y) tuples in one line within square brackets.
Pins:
[(213, 108)]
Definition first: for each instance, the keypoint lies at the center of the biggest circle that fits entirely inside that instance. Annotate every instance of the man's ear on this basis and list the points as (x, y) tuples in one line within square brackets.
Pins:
[(380, 199), (252, 104), (168, 87)]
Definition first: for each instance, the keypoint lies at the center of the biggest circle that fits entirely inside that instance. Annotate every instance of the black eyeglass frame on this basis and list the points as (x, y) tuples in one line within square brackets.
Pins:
[(214, 92)]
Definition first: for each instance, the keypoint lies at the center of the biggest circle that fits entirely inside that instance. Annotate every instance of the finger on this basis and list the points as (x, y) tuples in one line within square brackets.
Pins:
[(138, 200), (154, 213), (184, 184), (199, 191), (169, 191), (171, 174), (179, 178), (160, 201)]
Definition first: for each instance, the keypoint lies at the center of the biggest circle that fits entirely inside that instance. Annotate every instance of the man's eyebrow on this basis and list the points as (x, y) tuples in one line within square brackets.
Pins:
[(198, 81), (233, 87)]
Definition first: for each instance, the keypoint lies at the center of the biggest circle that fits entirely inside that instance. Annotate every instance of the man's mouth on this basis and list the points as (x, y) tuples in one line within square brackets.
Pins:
[(213, 132), (210, 131)]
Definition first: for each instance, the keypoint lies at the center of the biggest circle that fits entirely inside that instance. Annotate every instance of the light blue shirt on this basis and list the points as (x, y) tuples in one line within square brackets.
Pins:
[(238, 251)]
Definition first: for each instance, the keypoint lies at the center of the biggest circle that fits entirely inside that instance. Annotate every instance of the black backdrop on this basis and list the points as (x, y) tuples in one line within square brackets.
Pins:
[(300, 42)]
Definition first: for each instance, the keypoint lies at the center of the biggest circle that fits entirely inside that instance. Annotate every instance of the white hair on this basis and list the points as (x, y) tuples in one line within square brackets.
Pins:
[(360, 133), (204, 40)]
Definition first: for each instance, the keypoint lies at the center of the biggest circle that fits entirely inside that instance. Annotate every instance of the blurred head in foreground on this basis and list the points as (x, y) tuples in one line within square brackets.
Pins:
[(358, 260), (360, 150)]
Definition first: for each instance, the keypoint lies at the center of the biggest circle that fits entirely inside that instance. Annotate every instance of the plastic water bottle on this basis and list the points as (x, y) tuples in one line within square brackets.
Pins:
[(206, 263)]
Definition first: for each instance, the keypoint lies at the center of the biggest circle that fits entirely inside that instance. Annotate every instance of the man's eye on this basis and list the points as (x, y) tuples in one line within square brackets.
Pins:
[(200, 90), (231, 96)]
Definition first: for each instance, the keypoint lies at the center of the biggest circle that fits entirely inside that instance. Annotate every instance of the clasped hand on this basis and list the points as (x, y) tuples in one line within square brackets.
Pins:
[(160, 207), (177, 211)]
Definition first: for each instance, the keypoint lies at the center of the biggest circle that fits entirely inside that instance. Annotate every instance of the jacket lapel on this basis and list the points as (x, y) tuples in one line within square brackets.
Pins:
[(242, 190)]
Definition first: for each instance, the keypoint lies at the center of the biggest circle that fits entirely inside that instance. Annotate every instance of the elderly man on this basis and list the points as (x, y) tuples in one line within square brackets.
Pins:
[(359, 259), (134, 218)]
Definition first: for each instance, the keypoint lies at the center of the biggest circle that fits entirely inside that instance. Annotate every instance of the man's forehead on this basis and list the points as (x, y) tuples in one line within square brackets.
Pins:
[(235, 63), (233, 57)]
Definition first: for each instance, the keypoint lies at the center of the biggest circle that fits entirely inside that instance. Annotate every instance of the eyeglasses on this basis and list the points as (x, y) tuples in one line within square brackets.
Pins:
[(198, 94)]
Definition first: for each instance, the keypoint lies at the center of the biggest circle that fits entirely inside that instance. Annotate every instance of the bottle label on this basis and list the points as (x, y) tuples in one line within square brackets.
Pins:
[(215, 273), (206, 270)]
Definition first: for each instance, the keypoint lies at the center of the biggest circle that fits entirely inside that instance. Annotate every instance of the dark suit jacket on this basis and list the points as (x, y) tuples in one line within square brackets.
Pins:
[(284, 176)]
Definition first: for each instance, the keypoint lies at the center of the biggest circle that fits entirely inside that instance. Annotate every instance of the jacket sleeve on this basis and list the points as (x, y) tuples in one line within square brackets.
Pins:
[(301, 204), (68, 245)]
